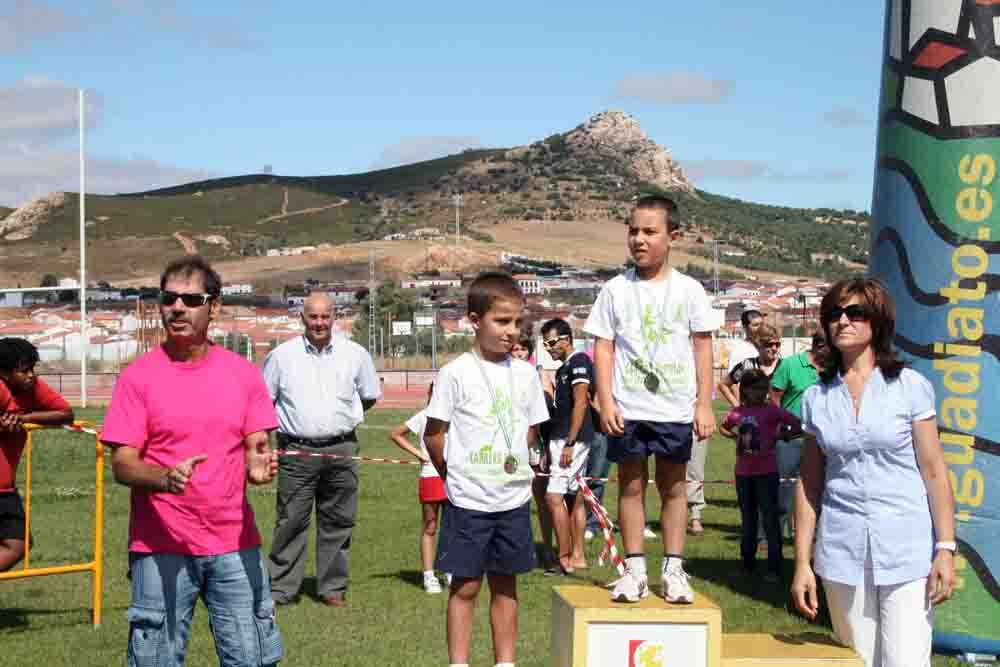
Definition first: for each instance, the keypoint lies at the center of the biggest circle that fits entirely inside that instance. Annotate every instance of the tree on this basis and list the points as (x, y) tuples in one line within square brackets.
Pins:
[(50, 280)]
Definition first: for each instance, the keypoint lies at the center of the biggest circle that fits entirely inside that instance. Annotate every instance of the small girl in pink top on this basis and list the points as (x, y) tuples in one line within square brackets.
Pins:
[(756, 425)]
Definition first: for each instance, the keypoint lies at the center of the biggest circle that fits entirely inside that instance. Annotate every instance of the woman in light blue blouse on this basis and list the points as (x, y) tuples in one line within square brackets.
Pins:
[(874, 479)]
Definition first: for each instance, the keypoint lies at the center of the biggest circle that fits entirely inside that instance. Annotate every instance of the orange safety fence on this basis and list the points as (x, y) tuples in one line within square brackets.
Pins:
[(95, 566)]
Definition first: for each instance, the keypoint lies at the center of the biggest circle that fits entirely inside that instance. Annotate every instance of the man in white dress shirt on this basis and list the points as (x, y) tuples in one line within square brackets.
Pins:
[(321, 388)]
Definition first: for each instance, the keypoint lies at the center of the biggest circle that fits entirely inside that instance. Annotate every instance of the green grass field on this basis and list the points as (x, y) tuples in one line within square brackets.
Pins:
[(45, 621)]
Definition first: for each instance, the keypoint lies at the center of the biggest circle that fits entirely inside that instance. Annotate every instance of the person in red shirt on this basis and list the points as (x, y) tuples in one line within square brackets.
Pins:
[(24, 399)]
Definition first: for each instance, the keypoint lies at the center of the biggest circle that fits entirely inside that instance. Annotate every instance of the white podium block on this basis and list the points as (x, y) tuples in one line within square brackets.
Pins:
[(589, 630)]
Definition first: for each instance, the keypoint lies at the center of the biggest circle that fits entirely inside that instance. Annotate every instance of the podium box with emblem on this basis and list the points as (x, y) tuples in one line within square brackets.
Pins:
[(589, 630)]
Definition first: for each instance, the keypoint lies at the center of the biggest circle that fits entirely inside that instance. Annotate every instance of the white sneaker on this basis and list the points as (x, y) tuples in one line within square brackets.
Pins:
[(630, 588), (675, 584), (431, 584), (588, 534), (648, 533)]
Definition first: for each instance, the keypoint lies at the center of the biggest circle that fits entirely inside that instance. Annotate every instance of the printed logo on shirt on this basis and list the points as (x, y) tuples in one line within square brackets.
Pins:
[(748, 436), (645, 653), (503, 416), (580, 370), (485, 456)]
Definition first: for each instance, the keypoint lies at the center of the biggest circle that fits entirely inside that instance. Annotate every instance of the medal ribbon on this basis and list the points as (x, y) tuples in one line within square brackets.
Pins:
[(496, 408)]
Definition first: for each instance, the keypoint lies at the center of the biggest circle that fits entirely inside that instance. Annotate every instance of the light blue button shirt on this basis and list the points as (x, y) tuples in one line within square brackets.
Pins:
[(317, 393), (874, 497)]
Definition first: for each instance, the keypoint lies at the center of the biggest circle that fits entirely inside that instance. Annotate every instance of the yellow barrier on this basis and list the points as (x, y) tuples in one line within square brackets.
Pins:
[(95, 565)]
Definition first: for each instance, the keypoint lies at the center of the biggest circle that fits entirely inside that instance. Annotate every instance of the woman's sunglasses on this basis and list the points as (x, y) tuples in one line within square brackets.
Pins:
[(855, 313), (189, 300)]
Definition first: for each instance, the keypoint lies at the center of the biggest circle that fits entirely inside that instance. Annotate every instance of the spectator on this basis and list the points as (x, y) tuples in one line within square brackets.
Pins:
[(756, 425), (24, 399), (321, 388), (569, 444), (767, 342), (751, 319), (792, 378), (431, 492)]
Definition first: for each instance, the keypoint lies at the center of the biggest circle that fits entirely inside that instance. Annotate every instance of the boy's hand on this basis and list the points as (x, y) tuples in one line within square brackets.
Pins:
[(704, 421), (11, 421), (612, 422), (566, 457)]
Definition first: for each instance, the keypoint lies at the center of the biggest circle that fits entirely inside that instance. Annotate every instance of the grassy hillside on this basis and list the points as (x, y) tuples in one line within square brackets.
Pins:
[(546, 182)]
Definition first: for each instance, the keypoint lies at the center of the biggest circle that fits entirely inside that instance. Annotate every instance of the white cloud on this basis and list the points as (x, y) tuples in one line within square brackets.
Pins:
[(37, 107), (842, 117), (417, 149), (26, 21), (673, 88), (38, 126), (29, 170), (745, 170)]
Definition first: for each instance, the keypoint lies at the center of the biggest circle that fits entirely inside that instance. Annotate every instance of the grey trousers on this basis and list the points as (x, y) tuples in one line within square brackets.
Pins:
[(696, 477), (332, 484)]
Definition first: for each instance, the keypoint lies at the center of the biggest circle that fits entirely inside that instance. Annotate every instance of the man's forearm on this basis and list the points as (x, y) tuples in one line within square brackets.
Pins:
[(580, 408), (435, 451), (48, 417), (141, 476)]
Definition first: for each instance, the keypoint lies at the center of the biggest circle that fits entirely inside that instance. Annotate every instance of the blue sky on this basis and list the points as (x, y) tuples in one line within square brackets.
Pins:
[(773, 102)]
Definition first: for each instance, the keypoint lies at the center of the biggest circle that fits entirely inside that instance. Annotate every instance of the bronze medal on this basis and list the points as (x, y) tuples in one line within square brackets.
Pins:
[(651, 382), (510, 464)]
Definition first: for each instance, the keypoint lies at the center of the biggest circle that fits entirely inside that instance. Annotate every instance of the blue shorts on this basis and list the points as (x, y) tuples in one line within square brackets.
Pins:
[(667, 440), (472, 542), (11, 516)]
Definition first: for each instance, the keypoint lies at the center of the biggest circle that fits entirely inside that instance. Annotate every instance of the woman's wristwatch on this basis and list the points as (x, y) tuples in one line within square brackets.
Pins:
[(946, 546)]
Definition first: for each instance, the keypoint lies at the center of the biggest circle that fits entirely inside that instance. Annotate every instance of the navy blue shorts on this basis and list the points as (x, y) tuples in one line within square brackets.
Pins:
[(667, 440), (472, 542), (11, 516)]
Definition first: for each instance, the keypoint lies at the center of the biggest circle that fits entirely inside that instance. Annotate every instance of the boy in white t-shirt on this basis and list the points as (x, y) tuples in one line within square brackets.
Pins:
[(653, 362), (488, 403), (431, 491)]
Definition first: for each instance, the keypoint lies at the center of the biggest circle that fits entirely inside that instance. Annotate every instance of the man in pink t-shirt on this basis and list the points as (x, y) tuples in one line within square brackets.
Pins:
[(188, 424)]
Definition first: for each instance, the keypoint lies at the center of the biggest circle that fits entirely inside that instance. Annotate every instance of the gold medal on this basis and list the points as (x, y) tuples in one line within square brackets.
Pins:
[(510, 464), (652, 383)]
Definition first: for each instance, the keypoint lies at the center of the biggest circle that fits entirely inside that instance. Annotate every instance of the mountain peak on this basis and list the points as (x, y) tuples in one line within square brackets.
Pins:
[(618, 136)]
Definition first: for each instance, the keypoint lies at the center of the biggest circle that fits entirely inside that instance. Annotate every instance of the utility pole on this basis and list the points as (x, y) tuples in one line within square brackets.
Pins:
[(458, 201), (715, 266), (372, 291)]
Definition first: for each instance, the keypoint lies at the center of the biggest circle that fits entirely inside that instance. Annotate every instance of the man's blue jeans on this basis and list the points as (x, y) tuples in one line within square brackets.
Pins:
[(236, 590), (597, 466)]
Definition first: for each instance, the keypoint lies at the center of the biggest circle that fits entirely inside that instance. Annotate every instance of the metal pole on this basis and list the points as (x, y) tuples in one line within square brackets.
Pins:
[(84, 334), (434, 340)]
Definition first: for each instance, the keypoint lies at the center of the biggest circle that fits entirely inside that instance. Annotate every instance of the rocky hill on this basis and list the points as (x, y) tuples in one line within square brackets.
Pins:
[(584, 177)]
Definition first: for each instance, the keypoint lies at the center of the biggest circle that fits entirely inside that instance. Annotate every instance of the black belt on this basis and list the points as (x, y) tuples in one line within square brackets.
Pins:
[(350, 436)]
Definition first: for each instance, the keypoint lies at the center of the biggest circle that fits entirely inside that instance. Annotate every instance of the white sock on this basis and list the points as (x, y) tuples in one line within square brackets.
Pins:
[(428, 573), (637, 565), (672, 562), (504, 664), (458, 664)]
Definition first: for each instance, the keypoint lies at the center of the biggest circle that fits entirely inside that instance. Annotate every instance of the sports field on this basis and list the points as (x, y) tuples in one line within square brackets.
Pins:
[(45, 622)]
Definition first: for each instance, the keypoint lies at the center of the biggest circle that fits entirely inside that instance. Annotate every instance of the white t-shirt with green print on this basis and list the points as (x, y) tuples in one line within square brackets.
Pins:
[(476, 447), (652, 335)]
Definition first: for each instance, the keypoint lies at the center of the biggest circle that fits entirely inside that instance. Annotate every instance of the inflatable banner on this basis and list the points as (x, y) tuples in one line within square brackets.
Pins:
[(936, 244)]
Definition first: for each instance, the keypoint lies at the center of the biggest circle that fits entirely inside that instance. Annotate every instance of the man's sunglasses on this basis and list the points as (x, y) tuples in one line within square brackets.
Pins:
[(773, 344), (189, 300), (855, 313), (552, 341)]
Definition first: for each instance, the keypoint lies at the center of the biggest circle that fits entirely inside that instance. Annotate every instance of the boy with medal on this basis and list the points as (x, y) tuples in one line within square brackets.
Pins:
[(488, 403), (653, 362)]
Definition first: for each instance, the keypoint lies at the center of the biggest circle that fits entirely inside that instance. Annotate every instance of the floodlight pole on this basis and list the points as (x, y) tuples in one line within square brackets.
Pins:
[(84, 334)]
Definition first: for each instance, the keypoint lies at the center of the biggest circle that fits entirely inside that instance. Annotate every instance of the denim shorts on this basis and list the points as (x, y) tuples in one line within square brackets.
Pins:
[(666, 440), (472, 542), (237, 591)]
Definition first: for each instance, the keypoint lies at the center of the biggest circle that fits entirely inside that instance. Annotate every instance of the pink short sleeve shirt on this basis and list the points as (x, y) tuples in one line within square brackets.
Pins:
[(173, 411)]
